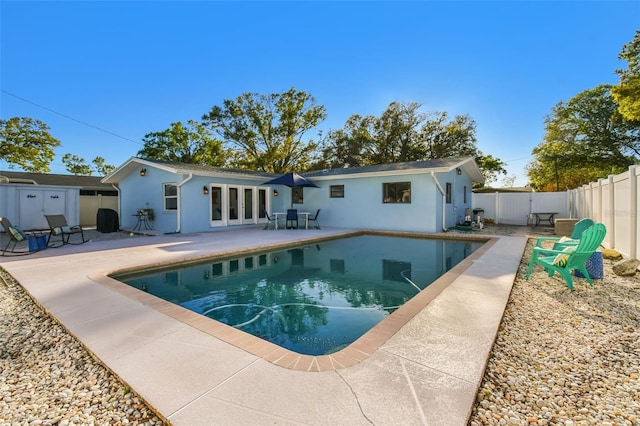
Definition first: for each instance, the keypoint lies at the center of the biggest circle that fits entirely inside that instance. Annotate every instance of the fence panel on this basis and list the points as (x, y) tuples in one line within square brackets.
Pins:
[(613, 201), (515, 208), (622, 208)]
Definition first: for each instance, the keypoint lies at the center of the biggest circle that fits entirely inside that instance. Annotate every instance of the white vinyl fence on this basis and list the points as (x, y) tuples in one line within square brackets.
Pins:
[(613, 201), (516, 208)]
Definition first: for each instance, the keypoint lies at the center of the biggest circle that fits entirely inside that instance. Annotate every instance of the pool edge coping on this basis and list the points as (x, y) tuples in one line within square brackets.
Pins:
[(356, 352)]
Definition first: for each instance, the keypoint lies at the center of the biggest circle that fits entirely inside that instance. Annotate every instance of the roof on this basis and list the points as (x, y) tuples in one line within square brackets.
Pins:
[(468, 164), (84, 182), (425, 166), (136, 163)]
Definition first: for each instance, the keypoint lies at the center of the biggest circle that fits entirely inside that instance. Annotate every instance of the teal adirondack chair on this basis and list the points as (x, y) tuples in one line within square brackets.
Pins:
[(580, 226), (565, 261)]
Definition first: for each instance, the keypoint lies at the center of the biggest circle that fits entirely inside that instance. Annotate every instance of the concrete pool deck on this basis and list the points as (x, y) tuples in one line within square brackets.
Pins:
[(427, 372)]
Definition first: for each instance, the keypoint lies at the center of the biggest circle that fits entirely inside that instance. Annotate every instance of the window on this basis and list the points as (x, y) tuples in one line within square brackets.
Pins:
[(336, 191), (297, 195), (396, 192), (448, 193), (170, 196), (465, 194)]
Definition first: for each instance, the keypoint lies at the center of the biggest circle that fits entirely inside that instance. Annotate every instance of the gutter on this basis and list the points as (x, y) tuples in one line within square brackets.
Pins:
[(179, 214), (443, 193)]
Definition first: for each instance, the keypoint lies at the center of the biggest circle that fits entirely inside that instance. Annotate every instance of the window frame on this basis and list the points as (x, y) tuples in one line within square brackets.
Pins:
[(166, 198), (336, 191), (297, 195), (395, 188), (449, 191)]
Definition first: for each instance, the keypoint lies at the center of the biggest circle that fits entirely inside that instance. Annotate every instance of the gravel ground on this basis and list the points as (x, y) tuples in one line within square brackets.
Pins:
[(565, 357), (561, 357)]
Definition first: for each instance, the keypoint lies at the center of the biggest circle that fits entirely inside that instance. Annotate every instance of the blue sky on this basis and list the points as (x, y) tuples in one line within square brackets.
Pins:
[(130, 68)]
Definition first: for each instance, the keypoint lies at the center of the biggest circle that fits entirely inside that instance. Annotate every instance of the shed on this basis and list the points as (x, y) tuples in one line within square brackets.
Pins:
[(26, 197)]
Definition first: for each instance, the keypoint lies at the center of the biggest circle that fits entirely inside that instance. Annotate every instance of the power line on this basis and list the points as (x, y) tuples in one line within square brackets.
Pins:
[(70, 118)]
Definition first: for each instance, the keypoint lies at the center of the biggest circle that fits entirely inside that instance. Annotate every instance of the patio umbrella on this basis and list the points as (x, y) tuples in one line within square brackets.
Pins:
[(292, 180)]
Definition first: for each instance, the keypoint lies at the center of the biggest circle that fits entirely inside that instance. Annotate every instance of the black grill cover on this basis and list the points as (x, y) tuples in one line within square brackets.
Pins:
[(107, 221)]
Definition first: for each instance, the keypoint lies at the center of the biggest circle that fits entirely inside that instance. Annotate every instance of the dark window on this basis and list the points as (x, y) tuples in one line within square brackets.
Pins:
[(336, 191), (396, 192), (170, 197), (297, 195), (448, 193), (465, 194)]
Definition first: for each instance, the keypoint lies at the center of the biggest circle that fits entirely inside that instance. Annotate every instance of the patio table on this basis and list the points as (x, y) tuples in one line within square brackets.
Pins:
[(544, 217)]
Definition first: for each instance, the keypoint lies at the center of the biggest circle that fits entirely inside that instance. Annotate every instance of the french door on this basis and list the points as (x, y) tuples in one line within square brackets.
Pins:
[(237, 204)]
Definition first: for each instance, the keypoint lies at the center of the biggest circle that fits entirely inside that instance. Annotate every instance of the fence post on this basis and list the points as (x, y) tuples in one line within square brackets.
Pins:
[(633, 216), (612, 211)]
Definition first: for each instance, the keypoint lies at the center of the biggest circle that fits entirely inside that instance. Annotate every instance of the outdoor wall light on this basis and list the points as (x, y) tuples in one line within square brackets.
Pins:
[(459, 171), (143, 172), (275, 193), (205, 190)]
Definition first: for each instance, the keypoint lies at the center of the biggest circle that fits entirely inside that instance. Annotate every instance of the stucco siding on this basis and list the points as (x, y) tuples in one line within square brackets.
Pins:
[(363, 207)]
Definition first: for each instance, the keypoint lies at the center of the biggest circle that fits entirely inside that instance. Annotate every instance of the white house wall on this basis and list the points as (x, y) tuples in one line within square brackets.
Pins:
[(362, 205), (147, 192)]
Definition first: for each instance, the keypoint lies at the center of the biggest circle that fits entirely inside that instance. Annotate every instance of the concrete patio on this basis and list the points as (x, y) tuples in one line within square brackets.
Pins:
[(427, 372)]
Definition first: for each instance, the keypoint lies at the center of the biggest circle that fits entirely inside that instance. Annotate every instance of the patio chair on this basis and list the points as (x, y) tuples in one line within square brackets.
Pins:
[(59, 228), (17, 235), (271, 221), (570, 258), (562, 242), (314, 220), (292, 216)]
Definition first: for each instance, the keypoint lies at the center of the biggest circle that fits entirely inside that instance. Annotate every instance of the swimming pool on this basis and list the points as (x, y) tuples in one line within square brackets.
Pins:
[(312, 299)]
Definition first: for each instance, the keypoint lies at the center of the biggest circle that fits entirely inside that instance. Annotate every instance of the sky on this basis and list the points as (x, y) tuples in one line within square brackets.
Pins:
[(102, 74)]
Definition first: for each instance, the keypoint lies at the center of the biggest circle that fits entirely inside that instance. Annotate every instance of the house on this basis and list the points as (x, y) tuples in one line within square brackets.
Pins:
[(414, 196), (26, 197)]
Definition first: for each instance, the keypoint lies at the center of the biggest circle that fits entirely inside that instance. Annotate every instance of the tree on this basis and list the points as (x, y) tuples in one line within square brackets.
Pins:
[(267, 130), (101, 168), (76, 165), (585, 139), (490, 167), (508, 181), (26, 142), (402, 133), (191, 143), (627, 92)]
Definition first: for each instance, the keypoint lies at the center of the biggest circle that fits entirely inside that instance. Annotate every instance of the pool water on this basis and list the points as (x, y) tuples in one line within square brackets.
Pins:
[(313, 299)]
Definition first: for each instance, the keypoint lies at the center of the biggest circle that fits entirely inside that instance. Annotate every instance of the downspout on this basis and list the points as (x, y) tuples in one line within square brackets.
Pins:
[(179, 215), (443, 193), (119, 205)]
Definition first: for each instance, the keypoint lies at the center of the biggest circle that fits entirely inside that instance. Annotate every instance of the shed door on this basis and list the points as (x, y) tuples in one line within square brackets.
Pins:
[(35, 203), (31, 209)]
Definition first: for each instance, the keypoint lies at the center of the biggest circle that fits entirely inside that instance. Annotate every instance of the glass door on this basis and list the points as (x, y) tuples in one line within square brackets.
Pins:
[(248, 215), (233, 206), (216, 205)]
